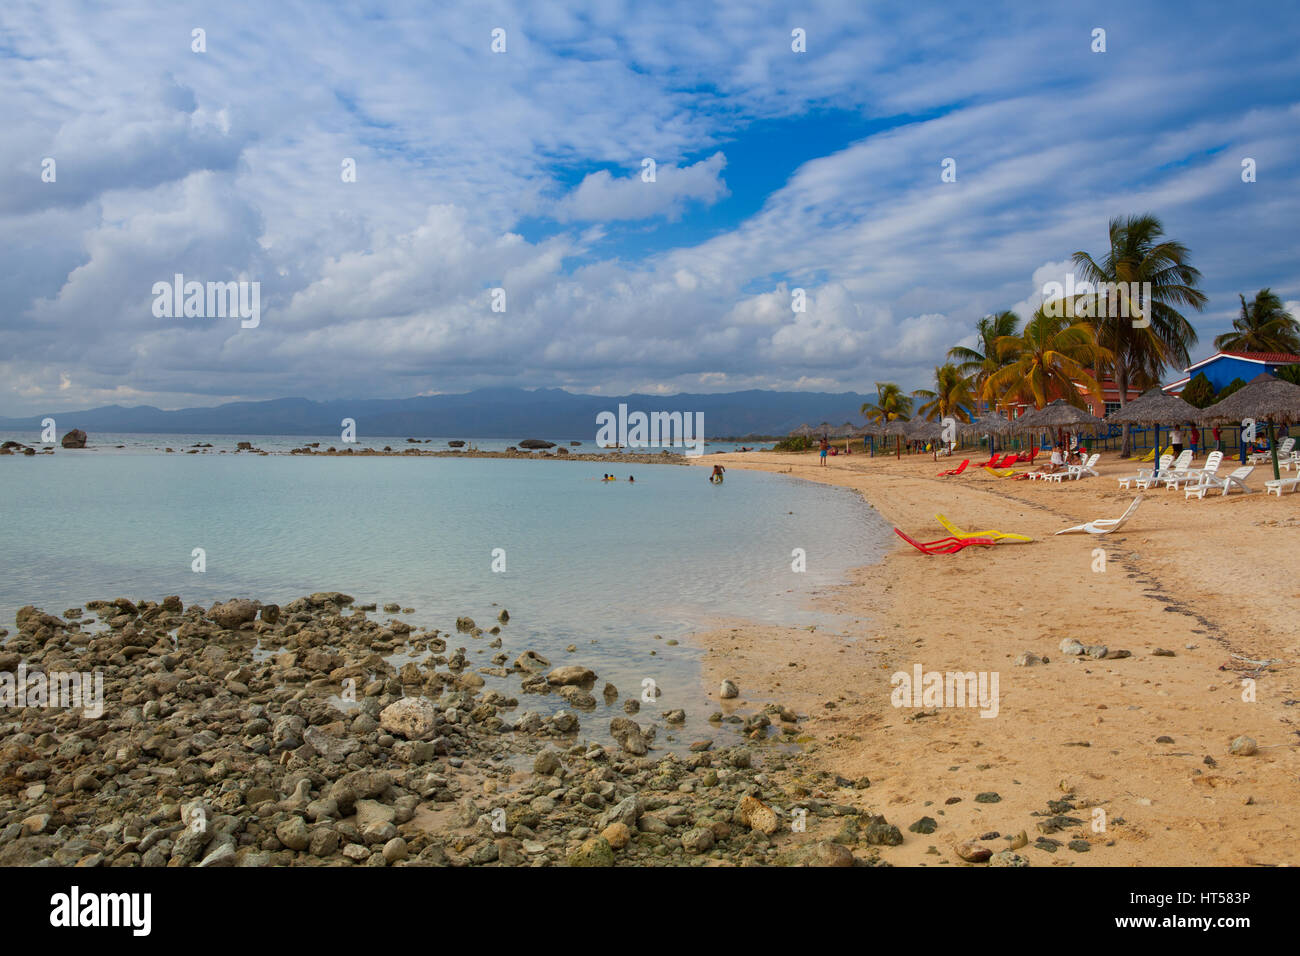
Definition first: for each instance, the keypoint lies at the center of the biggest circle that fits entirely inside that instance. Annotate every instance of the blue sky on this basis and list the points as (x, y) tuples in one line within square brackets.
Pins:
[(522, 170)]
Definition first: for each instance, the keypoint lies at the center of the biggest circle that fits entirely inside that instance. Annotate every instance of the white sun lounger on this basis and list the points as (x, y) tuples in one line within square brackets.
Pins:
[(1105, 525), (1227, 483), (1144, 479), (1283, 451), (1192, 475), (1180, 471), (1279, 485), (1073, 472)]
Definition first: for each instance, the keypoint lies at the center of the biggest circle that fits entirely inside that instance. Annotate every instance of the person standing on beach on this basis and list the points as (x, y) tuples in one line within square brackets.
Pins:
[(1218, 441), (1196, 439), (825, 447), (1176, 439)]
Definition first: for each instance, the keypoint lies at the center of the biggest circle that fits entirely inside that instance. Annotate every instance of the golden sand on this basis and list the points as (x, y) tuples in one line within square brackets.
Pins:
[(1213, 580)]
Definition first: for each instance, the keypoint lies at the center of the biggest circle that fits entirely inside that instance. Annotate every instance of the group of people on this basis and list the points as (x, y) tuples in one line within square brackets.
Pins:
[(1061, 458), (631, 479)]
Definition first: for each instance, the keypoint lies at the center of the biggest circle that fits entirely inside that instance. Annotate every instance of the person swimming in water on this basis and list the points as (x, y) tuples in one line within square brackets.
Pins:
[(630, 479)]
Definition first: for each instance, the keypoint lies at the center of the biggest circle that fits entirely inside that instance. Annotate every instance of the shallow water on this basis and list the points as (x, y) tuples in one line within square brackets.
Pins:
[(603, 566)]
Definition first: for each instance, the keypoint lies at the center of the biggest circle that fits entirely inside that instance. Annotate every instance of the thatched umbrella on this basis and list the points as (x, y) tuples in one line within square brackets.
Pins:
[(1155, 407), (803, 431), (1058, 415), (872, 430), (1265, 396), (919, 429), (897, 429), (824, 429), (844, 431), (991, 424)]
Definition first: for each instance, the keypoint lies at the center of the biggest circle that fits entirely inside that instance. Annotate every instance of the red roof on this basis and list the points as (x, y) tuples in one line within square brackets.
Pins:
[(1279, 358)]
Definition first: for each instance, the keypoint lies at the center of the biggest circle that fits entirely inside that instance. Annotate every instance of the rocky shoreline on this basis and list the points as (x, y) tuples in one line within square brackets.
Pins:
[(211, 751), (313, 450)]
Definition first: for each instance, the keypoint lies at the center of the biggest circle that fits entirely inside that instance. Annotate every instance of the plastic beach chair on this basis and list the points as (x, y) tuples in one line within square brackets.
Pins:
[(1105, 525), (944, 545), (991, 534), (955, 471)]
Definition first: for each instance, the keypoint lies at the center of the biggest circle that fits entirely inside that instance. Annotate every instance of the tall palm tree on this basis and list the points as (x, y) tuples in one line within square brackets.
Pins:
[(1140, 352), (1045, 361), (891, 405), (950, 397), (1263, 326), (982, 361)]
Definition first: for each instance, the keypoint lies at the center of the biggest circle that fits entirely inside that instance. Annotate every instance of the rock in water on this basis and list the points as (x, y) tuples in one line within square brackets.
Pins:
[(570, 674), (233, 613), (74, 439), (729, 690), (411, 717)]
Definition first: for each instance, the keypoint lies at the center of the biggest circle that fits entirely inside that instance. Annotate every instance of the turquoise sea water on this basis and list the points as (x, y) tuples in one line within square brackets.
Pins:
[(604, 566)]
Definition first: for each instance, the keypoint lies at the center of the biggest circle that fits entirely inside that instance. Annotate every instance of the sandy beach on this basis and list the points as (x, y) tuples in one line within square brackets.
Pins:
[(1143, 739)]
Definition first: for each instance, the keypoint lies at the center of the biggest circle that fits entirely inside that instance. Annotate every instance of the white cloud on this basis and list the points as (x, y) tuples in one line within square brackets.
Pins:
[(602, 197)]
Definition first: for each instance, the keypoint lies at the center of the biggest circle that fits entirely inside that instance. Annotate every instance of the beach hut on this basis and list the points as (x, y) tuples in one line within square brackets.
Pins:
[(1155, 407), (1265, 398)]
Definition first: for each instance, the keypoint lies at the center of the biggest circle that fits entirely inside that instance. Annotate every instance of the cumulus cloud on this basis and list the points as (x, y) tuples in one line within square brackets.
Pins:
[(600, 196)]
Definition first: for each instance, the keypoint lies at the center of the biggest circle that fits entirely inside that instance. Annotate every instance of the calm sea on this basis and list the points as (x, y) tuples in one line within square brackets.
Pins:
[(603, 566)]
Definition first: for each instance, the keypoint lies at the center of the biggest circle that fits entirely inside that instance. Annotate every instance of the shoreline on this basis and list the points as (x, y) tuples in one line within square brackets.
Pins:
[(1139, 746)]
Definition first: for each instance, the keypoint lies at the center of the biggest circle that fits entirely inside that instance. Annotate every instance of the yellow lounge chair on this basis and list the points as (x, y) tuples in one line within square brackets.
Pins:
[(956, 532), (1151, 455), (1000, 472)]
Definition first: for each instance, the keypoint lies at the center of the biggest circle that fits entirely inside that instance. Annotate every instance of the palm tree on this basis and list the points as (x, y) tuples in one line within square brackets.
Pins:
[(891, 406), (951, 396), (1047, 359), (1140, 352), (982, 361), (1264, 326)]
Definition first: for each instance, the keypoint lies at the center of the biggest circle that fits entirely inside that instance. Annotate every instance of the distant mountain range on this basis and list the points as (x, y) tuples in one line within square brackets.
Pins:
[(485, 413)]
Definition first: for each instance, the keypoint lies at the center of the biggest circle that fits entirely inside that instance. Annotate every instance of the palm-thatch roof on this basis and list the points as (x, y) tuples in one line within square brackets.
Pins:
[(1265, 398), (1155, 407), (921, 430), (825, 428), (991, 424), (1060, 414), (843, 431), (896, 427), (803, 431)]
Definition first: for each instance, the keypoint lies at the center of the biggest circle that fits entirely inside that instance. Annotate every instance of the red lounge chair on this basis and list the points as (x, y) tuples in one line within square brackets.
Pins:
[(1025, 456), (956, 471), (991, 463), (944, 545)]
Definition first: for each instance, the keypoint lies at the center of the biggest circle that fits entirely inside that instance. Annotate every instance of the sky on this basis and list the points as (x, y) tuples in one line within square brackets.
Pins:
[(524, 169)]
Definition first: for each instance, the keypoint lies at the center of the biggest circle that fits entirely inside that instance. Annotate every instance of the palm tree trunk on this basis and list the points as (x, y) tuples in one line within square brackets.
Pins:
[(1121, 379)]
